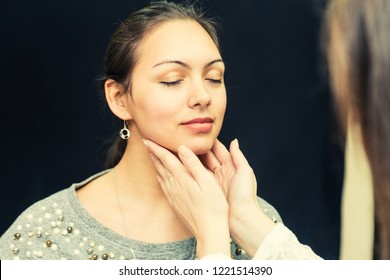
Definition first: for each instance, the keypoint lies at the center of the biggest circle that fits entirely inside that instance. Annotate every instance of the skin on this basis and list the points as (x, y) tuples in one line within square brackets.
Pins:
[(213, 194), (189, 185), (179, 81)]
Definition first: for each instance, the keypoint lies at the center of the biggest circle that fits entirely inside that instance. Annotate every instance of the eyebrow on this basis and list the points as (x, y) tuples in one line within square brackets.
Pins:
[(185, 65)]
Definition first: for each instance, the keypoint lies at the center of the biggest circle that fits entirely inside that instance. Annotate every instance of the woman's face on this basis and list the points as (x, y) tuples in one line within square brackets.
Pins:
[(178, 94)]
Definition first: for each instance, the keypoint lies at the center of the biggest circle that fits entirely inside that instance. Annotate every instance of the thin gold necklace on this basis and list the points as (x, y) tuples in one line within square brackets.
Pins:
[(121, 211), (124, 218), (119, 204)]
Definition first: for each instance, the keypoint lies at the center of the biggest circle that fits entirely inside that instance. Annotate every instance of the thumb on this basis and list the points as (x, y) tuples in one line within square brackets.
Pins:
[(238, 157)]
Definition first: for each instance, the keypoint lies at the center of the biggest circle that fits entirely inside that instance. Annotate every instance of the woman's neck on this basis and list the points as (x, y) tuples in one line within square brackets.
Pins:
[(141, 199), (136, 175), (129, 200)]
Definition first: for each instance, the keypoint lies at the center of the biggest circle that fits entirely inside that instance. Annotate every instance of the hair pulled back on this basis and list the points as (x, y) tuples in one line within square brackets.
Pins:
[(122, 55)]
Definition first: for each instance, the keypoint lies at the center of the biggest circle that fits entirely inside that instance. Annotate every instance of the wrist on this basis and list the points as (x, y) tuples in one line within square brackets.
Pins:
[(250, 227), (215, 240)]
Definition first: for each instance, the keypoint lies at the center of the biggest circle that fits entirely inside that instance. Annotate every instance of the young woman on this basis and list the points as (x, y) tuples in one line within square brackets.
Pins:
[(165, 80), (357, 47)]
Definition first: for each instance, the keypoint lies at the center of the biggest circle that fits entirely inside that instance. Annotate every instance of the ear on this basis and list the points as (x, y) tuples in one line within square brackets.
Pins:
[(117, 99)]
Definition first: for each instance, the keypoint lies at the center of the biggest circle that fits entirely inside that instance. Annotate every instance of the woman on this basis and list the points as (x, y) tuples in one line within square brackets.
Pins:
[(172, 94), (358, 48), (221, 200)]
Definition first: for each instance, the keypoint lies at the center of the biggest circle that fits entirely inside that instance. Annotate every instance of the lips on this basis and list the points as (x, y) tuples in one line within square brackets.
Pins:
[(199, 125), (200, 120)]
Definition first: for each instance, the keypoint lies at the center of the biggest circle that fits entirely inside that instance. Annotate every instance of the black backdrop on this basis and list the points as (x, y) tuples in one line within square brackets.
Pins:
[(55, 127)]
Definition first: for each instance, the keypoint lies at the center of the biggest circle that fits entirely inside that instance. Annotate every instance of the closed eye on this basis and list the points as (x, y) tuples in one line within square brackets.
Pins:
[(215, 81), (171, 84)]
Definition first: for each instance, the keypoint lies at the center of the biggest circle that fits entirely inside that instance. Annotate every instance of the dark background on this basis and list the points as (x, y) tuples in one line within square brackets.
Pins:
[(56, 129)]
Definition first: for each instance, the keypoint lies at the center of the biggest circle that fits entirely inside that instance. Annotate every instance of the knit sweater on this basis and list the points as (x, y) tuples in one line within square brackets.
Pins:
[(58, 227)]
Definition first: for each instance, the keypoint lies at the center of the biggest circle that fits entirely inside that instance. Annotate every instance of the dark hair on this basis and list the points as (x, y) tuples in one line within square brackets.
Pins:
[(365, 26), (121, 55)]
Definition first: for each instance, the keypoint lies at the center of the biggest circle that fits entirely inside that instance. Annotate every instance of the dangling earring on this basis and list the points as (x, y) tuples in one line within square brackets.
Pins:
[(124, 132)]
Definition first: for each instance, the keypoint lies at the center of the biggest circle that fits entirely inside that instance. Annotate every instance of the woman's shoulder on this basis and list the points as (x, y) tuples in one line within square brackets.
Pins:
[(34, 229), (43, 210), (33, 225), (269, 210)]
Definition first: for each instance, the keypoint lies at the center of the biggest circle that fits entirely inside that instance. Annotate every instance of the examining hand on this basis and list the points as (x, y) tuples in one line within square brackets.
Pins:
[(234, 174), (209, 199), (196, 196), (248, 224)]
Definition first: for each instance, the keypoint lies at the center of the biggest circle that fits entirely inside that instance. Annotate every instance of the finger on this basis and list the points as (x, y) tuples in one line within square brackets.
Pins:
[(193, 165), (162, 171), (172, 170), (210, 161), (167, 159), (222, 155), (239, 160), (220, 152), (165, 189)]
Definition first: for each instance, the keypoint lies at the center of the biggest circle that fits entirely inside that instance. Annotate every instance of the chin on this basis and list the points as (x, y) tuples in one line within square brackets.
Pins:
[(201, 148), (200, 151), (198, 146)]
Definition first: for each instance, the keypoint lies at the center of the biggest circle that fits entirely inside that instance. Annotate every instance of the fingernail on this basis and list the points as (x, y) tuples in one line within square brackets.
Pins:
[(184, 151), (145, 142), (238, 145)]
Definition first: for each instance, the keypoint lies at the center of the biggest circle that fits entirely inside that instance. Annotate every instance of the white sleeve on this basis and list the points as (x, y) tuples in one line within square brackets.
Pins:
[(217, 256), (282, 244)]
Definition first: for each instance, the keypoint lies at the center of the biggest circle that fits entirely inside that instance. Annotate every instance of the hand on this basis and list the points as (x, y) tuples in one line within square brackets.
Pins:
[(195, 195), (234, 174), (247, 222)]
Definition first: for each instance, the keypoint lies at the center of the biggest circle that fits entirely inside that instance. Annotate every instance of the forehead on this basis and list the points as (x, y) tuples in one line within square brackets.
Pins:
[(179, 39)]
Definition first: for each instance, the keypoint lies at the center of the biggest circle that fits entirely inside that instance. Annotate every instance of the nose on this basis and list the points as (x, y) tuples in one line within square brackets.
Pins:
[(200, 96)]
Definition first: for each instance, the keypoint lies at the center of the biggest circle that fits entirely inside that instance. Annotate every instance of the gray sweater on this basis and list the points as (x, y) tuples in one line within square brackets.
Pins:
[(58, 227)]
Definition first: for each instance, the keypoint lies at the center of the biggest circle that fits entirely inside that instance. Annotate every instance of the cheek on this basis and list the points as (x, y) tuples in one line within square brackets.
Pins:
[(220, 104), (157, 117), (157, 106)]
